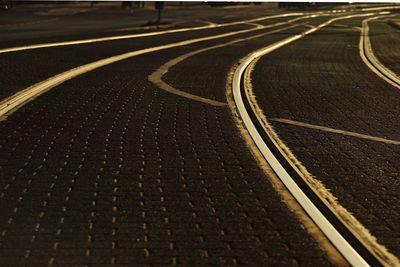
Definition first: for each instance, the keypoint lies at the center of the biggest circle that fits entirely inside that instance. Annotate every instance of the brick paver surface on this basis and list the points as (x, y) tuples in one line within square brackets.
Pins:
[(108, 169), (322, 80), (385, 42)]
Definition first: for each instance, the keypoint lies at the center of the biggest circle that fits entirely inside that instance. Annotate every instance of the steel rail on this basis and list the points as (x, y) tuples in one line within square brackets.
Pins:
[(131, 36), (367, 53), (353, 250), (15, 101)]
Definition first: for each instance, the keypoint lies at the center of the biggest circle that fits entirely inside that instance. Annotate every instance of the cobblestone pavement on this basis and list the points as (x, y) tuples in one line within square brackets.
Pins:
[(18, 76), (321, 80), (106, 168), (385, 42)]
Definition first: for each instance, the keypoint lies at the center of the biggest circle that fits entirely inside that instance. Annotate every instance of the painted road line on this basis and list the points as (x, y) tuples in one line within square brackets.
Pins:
[(156, 77), (342, 132), (17, 100), (369, 58), (379, 255), (130, 36)]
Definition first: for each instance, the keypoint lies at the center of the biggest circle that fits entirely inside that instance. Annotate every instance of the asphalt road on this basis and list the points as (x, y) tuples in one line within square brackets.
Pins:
[(108, 168)]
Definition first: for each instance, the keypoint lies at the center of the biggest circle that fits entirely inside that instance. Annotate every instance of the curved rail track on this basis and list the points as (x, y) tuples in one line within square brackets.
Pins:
[(343, 237), (369, 58)]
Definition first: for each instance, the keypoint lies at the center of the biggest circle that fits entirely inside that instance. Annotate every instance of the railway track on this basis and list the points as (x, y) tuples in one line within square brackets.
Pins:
[(355, 248), (152, 108)]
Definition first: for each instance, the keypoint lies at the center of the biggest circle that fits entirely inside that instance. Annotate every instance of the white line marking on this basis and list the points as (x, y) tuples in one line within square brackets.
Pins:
[(156, 77), (17, 100), (369, 58), (331, 130), (341, 244), (130, 36)]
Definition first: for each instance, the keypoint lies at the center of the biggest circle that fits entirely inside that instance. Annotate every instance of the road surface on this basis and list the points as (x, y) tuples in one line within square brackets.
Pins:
[(131, 151)]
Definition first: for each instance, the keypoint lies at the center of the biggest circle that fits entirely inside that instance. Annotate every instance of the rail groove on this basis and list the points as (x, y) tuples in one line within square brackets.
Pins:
[(370, 59), (344, 239), (15, 101)]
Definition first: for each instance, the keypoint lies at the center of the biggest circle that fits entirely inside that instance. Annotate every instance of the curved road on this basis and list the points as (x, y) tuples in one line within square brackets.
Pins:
[(141, 161)]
